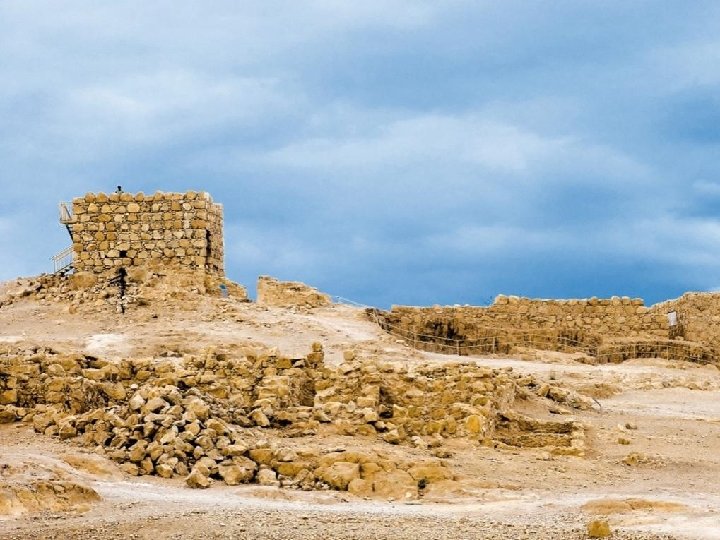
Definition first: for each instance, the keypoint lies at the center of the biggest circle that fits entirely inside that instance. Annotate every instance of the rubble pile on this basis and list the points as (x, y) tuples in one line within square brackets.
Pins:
[(255, 416), (145, 285), (272, 292)]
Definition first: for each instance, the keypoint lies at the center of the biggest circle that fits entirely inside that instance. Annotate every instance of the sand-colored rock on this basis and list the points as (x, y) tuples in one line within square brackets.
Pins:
[(271, 292), (598, 529), (396, 485)]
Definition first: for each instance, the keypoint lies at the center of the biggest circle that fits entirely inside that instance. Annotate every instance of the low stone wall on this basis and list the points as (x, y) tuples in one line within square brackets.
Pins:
[(619, 351), (271, 292), (387, 400), (609, 329)]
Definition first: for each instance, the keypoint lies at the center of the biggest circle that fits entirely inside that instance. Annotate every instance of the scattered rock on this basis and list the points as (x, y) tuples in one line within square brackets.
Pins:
[(598, 529)]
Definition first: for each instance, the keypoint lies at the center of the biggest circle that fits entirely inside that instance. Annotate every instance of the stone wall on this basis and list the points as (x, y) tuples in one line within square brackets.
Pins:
[(169, 229), (698, 316), (271, 292), (564, 325), (210, 415), (610, 330)]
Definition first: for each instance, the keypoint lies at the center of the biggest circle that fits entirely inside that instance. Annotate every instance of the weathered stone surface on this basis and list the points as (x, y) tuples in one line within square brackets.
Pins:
[(361, 488), (267, 477), (271, 292), (598, 529), (339, 474), (259, 418), (182, 231), (198, 478), (397, 485), (238, 473)]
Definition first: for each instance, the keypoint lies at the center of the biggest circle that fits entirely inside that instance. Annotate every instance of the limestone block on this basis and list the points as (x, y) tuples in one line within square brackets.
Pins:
[(198, 479), (238, 472), (397, 485), (339, 474), (271, 292), (267, 477)]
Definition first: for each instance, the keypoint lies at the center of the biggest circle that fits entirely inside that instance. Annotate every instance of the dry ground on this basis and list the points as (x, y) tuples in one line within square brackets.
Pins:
[(667, 413)]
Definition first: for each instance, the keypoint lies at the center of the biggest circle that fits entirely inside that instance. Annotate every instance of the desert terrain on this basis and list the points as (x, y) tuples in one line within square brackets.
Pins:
[(647, 462)]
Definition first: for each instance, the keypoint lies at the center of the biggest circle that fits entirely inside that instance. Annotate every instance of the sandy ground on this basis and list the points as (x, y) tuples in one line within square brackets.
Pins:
[(670, 491)]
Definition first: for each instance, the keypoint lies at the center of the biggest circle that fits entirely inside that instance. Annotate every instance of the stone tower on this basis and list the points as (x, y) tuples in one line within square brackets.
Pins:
[(109, 231)]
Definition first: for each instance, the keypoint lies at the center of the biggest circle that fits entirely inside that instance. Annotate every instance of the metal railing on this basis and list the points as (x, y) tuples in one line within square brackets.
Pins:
[(63, 260)]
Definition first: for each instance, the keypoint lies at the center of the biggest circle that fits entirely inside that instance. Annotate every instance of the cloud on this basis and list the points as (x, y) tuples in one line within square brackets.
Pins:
[(424, 139), (388, 151), (687, 65), (706, 188)]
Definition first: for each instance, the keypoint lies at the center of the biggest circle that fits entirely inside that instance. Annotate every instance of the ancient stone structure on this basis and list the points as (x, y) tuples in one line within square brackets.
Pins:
[(271, 292), (613, 329), (182, 230), (212, 416)]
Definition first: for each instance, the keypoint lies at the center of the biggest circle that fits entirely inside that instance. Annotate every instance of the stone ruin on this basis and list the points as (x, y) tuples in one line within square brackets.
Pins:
[(598, 330), (250, 415), (183, 230), (272, 292), (134, 248)]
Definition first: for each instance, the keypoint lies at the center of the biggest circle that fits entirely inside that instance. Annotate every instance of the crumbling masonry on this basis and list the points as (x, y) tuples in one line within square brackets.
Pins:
[(182, 230)]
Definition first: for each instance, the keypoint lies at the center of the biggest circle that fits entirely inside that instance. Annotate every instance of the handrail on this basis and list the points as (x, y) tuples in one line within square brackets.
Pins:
[(63, 260)]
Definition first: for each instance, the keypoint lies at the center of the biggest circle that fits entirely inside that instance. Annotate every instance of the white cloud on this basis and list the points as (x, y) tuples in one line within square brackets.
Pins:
[(706, 188), (496, 239), (687, 64), (692, 244), (167, 105), (425, 139)]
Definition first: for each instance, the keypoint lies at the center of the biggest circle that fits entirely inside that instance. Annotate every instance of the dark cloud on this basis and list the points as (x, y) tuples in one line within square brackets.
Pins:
[(390, 152)]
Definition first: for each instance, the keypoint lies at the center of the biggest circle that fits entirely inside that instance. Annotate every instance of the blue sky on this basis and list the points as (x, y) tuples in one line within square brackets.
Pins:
[(388, 151)]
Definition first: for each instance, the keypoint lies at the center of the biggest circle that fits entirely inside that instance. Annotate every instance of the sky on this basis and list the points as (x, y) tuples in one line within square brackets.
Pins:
[(389, 152)]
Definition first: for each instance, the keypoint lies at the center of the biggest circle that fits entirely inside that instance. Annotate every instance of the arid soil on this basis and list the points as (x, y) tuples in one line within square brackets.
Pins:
[(651, 467)]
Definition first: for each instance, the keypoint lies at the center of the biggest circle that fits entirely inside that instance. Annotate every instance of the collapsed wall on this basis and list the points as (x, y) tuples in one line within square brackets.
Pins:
[(174, 287), (215, 416), (272, 292), (614, 329)]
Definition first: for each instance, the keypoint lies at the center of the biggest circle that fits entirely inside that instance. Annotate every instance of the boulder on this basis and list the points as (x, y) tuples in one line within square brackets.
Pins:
[(259, 418), (598, 529), (267, 477), (237, 473), (396, 485), (154, 405), (198, 479), (360, 488), (339, 474), (164, 470)]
